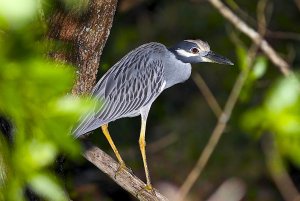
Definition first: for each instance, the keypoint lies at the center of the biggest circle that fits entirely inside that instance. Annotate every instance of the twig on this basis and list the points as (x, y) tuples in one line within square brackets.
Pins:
[(215, 137), (269, 34), (162, 143), (209, 97), (278, 172), (283, 35), (232, 189), (297, 2), (153, 147), (281, 179), (241, 13), (124, 178), (225, 116), (283, 182), (255, 37)]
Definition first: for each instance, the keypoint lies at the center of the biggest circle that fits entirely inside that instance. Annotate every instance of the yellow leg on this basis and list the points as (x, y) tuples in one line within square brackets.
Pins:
[(142, 143), (114, 148)]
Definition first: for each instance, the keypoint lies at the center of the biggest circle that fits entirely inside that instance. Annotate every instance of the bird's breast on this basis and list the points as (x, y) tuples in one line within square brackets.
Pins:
[(176, 72)]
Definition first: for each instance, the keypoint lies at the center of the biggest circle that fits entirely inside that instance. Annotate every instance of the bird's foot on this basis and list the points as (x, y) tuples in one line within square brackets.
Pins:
[(122, 167), (147, 188)]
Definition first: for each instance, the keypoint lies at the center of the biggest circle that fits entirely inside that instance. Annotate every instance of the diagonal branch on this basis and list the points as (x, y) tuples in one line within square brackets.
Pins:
[(297, 2), (207, 94), (254, 35), (124, 178), (278, 171), (215, 136), (226, 114)]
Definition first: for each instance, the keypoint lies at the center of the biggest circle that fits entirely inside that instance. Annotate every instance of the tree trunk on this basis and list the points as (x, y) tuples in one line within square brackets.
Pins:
[(87, 33)]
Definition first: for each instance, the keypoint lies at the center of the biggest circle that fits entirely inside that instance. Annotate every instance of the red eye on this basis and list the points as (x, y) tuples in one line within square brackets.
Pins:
[(195, 50)]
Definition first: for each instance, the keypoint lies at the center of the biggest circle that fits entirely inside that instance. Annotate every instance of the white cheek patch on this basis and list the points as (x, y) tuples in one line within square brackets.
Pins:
[(185, 53)]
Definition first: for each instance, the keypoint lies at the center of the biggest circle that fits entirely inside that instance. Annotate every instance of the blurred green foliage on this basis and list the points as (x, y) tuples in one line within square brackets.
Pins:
[(279, 114), (182, 112), (257, 71), (33, 97), (16, 14)]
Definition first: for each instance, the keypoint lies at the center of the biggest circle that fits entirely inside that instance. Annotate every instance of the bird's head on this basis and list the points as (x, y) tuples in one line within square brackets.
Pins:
[(196, 51)]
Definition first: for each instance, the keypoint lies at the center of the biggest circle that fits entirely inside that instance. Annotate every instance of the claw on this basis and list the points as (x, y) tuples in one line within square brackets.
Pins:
[(147, 188), (122, 167)]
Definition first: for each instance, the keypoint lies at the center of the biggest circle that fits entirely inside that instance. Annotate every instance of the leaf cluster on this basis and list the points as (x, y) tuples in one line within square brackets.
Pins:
[(34, 99)]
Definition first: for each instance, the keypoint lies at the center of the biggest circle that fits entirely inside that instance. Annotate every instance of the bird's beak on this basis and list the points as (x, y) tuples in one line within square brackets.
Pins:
[(215, 58)]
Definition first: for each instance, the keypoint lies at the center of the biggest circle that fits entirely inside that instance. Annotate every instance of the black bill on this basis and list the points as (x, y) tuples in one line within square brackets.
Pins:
[(215, 58)]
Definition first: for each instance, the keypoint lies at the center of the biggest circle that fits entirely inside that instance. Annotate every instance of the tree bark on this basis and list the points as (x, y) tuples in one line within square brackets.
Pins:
[(87, 33), (126, 179)]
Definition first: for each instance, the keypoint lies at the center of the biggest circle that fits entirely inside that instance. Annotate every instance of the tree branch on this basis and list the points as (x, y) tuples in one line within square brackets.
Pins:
[(297, 2), (207, 94), (87, 33), (226, 113), (124, 178), (215, 136), (253, 35), (278, 170)]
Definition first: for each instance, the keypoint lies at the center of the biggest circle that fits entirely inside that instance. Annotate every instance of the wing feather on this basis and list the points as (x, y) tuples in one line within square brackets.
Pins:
[(132, 83)]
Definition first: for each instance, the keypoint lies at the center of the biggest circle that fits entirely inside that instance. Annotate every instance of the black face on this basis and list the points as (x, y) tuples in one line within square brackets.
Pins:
[(196, 51), (187, 52)]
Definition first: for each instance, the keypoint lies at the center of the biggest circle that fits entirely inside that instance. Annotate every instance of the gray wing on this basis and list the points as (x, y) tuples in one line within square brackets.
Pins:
[(132, 83)]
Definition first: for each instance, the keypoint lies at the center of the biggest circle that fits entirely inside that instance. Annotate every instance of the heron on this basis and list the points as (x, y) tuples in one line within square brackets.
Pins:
[(130, 87)]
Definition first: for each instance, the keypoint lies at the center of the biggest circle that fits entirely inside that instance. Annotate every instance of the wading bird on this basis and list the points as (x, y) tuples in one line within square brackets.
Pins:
[(130, 87)]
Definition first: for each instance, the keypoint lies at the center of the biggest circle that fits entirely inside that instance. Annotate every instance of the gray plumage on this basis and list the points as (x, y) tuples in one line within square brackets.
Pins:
[(130, 87)]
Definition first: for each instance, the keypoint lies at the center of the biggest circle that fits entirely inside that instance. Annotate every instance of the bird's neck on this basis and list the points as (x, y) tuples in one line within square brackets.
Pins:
[(176, 71)]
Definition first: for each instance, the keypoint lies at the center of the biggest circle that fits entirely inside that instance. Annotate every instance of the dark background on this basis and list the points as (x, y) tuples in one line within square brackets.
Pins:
[(261, 141), (180, 122)]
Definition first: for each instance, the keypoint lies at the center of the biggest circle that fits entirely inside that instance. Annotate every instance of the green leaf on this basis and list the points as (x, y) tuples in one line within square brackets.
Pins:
[(74, 106), (33, 97), (284, 94), (259, 67), (257, 71), (254, 120), (286, 124), (17, 12), (34, 155), (279, 115), (47, 187)]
